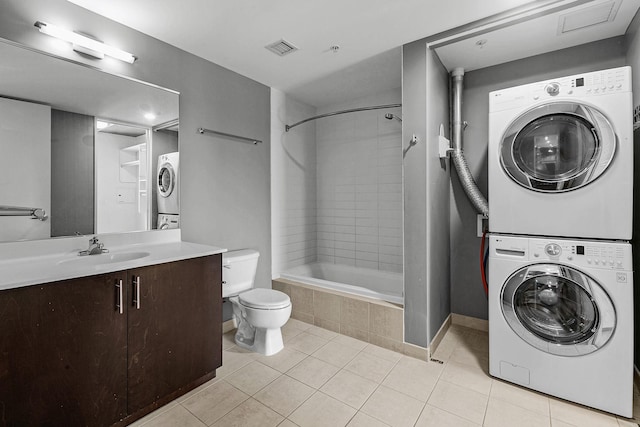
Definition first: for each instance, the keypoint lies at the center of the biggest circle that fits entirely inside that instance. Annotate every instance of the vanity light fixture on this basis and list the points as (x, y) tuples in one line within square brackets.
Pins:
[(85, 44)]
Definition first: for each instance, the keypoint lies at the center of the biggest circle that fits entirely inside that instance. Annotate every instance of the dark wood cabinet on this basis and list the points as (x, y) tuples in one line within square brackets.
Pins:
[(107, 349), (175, 330), (63, 354)]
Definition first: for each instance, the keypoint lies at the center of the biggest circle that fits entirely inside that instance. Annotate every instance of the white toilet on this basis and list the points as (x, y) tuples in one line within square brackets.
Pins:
[(258, 313)]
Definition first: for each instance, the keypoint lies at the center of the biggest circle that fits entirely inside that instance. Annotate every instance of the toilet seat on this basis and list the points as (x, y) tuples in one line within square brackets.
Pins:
[(264, 299)]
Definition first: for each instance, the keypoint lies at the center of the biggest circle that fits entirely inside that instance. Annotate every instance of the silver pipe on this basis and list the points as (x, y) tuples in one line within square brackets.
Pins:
[(335, 113), (464, 174)]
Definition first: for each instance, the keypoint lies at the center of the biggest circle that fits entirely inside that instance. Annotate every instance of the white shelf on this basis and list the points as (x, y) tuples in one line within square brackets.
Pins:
[(136, 148), (131, 163)]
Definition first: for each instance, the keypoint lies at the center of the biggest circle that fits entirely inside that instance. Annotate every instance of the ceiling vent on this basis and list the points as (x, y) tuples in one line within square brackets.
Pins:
[(588, 17), (282, 47)]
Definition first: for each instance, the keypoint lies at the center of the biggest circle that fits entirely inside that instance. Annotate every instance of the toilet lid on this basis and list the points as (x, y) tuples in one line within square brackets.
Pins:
[(268, 299)]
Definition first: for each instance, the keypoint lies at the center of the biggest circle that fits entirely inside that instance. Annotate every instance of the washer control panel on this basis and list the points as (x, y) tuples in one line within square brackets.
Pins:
[(614, 80), (588, 254)]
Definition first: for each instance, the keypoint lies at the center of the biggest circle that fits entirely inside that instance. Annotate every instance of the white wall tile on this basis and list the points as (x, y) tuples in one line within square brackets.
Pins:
[(366, 256), (359, 185), (345, 261), (367, 264)]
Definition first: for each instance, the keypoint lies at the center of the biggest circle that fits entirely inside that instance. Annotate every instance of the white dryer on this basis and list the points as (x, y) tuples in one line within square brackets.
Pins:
[(561, 157), (167, 183), (561, 318), (168, 221)]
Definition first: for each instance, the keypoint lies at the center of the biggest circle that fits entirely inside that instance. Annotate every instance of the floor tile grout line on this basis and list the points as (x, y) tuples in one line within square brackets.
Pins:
[(216, 420), (378, 385), (486, 407)]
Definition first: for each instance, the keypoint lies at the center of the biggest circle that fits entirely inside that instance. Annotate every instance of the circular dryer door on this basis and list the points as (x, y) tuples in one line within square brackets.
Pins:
[(558, 309), (557, 147), (166, 180)]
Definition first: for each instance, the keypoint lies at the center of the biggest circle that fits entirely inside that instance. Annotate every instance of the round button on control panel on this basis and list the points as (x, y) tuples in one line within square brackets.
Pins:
[(552, 89), (553, 249)]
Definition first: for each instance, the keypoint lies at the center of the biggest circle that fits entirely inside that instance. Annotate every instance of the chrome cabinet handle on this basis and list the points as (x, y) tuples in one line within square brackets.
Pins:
[(119, 305), (136, 296)]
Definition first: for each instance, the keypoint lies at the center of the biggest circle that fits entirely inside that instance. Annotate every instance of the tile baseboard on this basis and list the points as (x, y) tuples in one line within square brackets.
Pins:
[(470, 322)]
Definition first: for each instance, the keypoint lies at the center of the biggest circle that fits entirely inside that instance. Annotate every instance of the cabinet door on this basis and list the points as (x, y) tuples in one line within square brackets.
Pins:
[(174, 330), (63, 353)]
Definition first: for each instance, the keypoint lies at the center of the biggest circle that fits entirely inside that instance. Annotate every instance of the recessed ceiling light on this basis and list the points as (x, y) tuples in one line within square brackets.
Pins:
[(149, 116)]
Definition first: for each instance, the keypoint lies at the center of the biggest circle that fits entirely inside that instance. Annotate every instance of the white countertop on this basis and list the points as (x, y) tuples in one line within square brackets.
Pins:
[(18, 269)]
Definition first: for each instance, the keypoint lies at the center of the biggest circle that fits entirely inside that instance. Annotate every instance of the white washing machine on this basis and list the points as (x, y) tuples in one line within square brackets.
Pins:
[(561, 157), (167, 183), (561, 318)]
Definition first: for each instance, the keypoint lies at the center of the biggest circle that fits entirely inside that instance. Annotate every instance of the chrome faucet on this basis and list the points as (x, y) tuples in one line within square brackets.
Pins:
[(95, 248)]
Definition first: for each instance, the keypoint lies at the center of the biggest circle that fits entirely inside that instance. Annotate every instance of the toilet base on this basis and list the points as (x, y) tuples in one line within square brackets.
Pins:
[(265, 341)]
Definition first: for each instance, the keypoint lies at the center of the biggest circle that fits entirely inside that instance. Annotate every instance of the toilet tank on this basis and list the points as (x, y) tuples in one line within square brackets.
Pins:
[(238, 271)]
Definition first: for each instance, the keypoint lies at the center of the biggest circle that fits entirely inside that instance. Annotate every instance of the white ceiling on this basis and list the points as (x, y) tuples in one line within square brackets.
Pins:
[(234, 33), (597, 20)]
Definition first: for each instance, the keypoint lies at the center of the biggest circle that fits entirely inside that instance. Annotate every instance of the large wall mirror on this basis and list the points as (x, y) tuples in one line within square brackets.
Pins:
[(97, 152)]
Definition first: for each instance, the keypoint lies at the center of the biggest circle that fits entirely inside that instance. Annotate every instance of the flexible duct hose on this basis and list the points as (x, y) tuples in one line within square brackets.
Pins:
[(464, 174)]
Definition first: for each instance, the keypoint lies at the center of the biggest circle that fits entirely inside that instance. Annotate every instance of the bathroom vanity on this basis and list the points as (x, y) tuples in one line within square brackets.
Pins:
[(109, 347)]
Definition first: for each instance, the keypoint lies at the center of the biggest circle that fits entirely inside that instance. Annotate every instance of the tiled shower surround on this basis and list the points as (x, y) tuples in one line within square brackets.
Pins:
[(359, 186), (337, 185)]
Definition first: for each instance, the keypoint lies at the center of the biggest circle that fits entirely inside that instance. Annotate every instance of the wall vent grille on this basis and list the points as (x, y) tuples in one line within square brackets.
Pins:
[(282, 47)]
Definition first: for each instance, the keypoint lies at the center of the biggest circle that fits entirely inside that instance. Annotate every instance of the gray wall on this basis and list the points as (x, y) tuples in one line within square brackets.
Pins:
[(438, 212), (72, 174), (467, 295), (414, 110), (224, 184), (425, 105)]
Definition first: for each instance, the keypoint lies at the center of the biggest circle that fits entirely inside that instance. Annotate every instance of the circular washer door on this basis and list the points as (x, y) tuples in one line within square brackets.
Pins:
[(558, 309), (166, 180), (558, 147)]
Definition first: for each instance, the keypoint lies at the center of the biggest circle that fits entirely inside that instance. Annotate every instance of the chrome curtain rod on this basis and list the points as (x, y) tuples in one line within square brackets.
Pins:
[(335, 113), (34, 213), (228, 135)]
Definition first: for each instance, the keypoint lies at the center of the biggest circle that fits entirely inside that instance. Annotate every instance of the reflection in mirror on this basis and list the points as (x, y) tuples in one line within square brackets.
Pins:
[(81, 144)]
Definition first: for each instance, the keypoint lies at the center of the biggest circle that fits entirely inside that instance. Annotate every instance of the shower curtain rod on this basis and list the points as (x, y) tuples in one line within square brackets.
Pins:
[(353, 110)]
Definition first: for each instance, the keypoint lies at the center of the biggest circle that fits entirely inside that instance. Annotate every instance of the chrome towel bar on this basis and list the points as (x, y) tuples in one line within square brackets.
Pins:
[(228, 135), (34, 213)]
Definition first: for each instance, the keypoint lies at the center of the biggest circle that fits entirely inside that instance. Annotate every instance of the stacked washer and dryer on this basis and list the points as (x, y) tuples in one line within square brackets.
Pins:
[(560, 264), (168, 189)]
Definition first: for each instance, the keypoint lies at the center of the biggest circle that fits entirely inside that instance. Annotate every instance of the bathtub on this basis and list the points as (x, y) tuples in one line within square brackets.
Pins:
[(383, 285)]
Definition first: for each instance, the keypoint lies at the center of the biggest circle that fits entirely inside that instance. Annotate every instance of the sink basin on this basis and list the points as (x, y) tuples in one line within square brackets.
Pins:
[(106, 258)]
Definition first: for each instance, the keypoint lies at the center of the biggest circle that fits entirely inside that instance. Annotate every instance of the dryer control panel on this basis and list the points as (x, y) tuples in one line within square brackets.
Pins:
[(614, 80), (588, 254)]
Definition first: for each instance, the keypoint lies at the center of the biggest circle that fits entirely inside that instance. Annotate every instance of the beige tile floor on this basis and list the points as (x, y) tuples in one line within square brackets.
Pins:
[(326, 379)]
